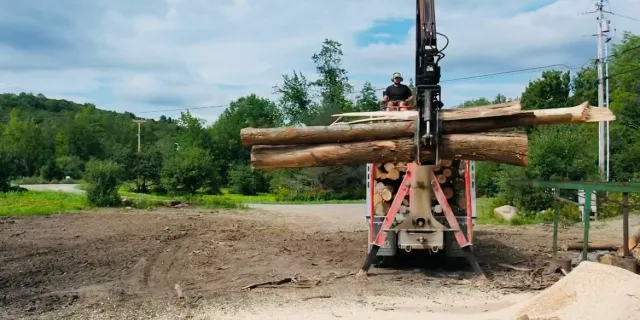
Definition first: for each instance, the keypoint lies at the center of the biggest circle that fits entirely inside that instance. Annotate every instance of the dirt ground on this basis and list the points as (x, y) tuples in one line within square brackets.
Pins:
[(193, 264)]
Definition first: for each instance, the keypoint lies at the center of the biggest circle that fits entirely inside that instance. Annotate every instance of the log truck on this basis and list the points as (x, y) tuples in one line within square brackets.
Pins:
[(415, 200), (425, 226)]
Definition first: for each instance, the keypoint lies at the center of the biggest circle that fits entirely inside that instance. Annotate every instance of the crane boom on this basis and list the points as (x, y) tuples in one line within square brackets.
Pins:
[(427, 78)]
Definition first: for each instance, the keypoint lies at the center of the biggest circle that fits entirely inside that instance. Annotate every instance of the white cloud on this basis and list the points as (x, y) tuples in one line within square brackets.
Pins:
[(154, 54)]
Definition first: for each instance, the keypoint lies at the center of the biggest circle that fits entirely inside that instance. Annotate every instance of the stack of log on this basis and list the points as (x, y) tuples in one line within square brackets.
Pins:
[(388, 177), (468, 133)]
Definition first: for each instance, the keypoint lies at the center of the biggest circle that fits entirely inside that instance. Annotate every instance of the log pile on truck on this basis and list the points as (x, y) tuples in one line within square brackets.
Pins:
[(388, 177), (475, 133)]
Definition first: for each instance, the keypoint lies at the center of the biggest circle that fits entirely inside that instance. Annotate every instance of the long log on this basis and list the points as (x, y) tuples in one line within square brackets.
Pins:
[(326, 134), (591, 246), (485, 119), (501, 148)]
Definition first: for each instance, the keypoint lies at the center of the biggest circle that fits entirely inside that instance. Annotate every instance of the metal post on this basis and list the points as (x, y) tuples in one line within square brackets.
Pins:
[(556, 217), (625, 224), (607, 130), (586, 217), (601, 136)]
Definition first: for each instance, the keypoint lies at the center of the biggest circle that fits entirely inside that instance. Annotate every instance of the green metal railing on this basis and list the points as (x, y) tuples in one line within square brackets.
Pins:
[(589, 187)]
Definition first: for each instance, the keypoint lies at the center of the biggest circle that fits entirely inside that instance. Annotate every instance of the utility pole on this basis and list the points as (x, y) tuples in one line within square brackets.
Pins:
[(139, 121), (606, 71), (601, 124)]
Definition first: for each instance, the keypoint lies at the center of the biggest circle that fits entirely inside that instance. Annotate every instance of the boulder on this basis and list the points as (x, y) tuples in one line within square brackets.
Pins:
[(506, 212)]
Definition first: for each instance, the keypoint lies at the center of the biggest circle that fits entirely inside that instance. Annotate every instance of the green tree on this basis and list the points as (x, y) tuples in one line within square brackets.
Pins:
[(50, 170), (550, 91), (141, 168), (193, 132), (367, 100), (71, 166), (190, 169), (243, 180), (25, 142), (249, 111), (474, 103), (9, 169), (624, 80), (333, 83), (500, 98), (295, 98), (585, 87), (103, 181)]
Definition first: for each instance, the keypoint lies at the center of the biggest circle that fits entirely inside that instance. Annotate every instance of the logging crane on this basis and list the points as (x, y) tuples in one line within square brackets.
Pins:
[(420, 170), (412, 206)]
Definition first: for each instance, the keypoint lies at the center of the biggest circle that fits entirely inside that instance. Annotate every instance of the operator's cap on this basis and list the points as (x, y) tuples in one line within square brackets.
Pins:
[(397, 75)]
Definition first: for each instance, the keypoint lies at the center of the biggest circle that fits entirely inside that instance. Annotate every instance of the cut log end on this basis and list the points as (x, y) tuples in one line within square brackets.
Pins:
[(597, 114)]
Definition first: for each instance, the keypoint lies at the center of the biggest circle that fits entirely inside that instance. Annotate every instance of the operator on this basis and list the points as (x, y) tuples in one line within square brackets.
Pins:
[(397, 95)]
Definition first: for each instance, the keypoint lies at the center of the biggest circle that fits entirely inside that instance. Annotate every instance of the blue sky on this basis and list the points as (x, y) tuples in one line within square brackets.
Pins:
[(149, 55)]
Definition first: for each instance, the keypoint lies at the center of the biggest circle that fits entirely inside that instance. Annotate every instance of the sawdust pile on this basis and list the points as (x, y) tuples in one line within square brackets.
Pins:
[(591, 291)]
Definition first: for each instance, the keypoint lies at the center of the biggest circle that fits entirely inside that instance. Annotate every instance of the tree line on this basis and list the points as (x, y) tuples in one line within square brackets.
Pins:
[(54, 139)]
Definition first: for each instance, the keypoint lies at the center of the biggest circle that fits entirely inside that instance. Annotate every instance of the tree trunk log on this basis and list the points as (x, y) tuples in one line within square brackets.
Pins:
[(326, 134), (500, 148), (591, 247), (469, 120)]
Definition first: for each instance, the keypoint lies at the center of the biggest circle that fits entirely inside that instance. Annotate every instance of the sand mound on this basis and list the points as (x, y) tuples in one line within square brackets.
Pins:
[(591, 291)]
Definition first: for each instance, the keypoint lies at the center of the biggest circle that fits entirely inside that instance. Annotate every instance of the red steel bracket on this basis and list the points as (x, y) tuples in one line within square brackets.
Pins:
[(446, 209), (395, 206)]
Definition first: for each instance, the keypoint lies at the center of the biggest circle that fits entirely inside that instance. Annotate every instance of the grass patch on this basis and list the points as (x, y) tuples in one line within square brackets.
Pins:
[(145, 201), (40, 203), (219, 202), (225, 199), (486, 215)]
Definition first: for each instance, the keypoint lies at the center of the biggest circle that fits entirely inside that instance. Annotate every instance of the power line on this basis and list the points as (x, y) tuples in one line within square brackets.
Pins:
[(620, 15), (479, 76), (623, 52), (623, 72), (511, 72)]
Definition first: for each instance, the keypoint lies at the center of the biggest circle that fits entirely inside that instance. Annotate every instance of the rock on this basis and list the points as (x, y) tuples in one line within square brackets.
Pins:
[(126, 201), (506, 212), (173, 203), (606, 259)]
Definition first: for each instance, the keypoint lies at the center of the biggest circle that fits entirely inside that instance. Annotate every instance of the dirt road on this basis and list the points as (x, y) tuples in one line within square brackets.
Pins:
[(70, 188), (184, 263)]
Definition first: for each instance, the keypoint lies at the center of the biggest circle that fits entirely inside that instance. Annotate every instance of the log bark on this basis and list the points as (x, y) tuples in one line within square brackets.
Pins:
[(326, 134), (473, 120), (591, 247), (500, 148)]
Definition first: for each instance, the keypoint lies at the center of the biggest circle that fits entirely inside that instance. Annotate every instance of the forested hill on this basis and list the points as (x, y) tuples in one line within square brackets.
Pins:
[(38, 130)]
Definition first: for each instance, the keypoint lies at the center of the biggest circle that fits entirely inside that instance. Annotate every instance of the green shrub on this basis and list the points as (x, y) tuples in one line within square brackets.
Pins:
[(102, 178), (567, 214), (50, 171), (243, 180), (71, 166), (189, 170), (219, 202)]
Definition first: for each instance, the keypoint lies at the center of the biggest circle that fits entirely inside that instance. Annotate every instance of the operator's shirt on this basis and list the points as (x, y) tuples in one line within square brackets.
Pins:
[(396, 93)]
